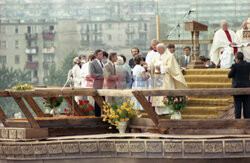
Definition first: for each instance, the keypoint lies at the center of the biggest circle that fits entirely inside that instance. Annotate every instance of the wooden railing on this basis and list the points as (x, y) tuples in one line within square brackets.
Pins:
[(69, 93)]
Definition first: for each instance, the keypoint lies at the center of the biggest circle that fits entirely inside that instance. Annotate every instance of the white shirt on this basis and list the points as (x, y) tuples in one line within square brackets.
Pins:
[(76, 76), (84, 73), (150, 57)]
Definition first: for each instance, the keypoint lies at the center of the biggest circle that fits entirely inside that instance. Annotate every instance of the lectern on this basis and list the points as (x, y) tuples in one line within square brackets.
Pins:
[(195, 28)]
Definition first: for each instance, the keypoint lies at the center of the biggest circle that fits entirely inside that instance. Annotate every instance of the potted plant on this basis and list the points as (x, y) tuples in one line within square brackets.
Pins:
[(119, 113), (176, 104), (53, 103)]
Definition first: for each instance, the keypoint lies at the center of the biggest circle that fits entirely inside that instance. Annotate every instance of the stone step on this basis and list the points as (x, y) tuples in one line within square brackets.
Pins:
[(207, 101), (206, 71), (208, 79), (197, 110), (208, 85)]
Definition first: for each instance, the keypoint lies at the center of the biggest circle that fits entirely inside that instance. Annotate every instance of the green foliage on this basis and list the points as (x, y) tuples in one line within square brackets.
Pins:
[(176, 103), (57, 77), (52, 102), (10, 77)]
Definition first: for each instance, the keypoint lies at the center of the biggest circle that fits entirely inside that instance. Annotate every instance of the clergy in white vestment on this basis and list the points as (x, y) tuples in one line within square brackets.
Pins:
[(153, 53), (244, 43), (166, 74), (222, 50)]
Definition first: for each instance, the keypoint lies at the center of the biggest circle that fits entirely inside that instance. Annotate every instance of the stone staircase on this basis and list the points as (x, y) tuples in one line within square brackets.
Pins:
[(207, 107)]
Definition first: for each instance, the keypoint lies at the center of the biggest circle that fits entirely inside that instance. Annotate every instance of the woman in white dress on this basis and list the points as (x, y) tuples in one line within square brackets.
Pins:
[(76, 76), (140, 79)]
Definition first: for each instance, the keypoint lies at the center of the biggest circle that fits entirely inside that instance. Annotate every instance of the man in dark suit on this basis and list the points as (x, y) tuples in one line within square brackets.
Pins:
[(96, 73), (240, 72)]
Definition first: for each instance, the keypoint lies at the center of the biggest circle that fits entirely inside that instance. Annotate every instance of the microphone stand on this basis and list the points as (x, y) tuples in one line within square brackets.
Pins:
[(178, 25)]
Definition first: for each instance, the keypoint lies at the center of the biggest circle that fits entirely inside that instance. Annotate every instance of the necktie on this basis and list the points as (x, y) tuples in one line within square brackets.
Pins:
[(186, 62), (101, 64), (114, 69)]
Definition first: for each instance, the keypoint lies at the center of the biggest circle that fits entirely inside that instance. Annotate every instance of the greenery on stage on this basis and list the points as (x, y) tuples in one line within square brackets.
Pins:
[(58, 76)]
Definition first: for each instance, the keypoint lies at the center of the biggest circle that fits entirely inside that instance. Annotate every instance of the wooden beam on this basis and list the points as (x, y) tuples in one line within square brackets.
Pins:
[(76, 108), (146, 106), (32, 103), (26, 112), (4, 94), (99, 100), (196, 92), (205, 124), (3, 117), (51, 92), (115, 92), (185, 41)]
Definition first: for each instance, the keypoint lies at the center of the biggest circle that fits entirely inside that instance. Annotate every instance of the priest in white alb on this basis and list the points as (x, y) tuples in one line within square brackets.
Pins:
[(166, 74), (224, 47), (244, 43)]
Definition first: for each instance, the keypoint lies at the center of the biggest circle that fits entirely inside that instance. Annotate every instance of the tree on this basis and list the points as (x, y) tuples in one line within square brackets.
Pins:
[(9, 78), (57, 77)]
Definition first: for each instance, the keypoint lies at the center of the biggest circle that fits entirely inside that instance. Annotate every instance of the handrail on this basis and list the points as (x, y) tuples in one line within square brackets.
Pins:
[(45, 92)]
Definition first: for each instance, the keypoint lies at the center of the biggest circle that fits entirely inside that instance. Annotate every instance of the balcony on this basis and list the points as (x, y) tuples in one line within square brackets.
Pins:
[(31, 65), (31, 36), (48, 35), (32, 50), (49, 50), (48, 64)]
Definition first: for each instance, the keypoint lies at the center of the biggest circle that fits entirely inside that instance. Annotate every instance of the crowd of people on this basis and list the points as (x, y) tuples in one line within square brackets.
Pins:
[(161, 69)]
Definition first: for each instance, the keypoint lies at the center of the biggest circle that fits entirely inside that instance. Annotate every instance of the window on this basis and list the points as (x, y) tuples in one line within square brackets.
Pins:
[(29, 57), (35, 73), (4, 44), (16, 30), (16, 44), (17, 59), (109, 37), (110, 26), (3, 29), (29, 29), (3, 59), (119, 37)]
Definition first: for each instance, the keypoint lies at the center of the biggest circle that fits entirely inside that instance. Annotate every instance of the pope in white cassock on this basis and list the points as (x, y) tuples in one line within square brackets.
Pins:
[(244, 43), (222, 50), (166, 74)]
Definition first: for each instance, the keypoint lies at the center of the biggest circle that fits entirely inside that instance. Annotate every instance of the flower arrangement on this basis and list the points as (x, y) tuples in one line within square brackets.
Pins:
[(119, 112), (84, 106), (23, 87), (52, 102), (69, 112), (176, 103)]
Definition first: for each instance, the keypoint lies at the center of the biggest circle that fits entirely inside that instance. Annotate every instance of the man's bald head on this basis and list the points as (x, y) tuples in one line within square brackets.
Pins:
[(224, 25), (244, 25)]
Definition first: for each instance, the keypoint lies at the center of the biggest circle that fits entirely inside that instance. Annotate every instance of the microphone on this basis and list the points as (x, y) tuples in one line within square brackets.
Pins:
[(192, 10)]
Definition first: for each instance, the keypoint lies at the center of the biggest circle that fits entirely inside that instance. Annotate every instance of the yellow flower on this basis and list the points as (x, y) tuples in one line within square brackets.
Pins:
[(109, 121), (125, 104), (127, 119), (123, 107), (110, 127), (133, 103), (104, 119), (117, 116), (122, 119), (128, 101), (116, 122)]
